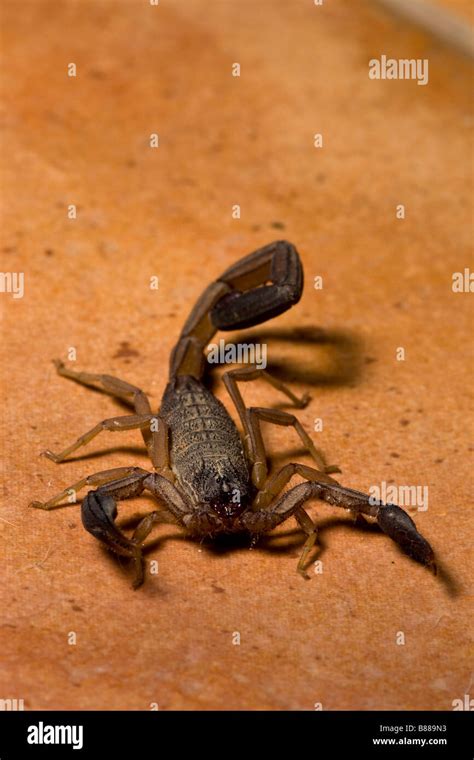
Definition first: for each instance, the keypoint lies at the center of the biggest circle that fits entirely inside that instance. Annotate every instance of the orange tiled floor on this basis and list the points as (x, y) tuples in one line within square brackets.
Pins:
[(167, 212)]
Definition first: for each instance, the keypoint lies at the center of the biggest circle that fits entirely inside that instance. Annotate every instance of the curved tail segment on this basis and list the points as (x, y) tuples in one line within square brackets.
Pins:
[(259, 287)]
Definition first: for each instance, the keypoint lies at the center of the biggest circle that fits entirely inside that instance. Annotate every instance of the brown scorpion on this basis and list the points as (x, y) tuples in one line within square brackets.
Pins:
[(210, 479)]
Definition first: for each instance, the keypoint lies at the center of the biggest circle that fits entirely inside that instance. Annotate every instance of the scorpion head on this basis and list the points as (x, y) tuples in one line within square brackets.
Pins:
[(226, 492)]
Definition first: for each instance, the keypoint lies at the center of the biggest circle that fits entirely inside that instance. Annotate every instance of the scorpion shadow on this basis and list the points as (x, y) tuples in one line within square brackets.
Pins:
[(342, 348), (291, 542), (283, 543)]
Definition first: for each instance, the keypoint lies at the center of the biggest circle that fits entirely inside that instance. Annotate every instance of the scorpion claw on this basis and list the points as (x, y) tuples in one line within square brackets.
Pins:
[(397, 524), (99, 511)]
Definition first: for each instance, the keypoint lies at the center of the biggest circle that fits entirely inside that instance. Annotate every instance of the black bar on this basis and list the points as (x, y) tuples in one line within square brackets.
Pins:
[(218, 734)]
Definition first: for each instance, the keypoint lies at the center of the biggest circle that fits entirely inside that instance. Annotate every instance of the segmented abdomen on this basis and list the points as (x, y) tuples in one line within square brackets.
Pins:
[(200, 429)]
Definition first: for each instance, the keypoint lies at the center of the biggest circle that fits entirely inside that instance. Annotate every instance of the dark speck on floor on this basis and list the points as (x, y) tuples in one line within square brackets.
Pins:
[(125, 351)]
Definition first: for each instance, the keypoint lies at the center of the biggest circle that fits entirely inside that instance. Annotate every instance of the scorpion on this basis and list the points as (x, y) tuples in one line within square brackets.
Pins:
[(209, 478)]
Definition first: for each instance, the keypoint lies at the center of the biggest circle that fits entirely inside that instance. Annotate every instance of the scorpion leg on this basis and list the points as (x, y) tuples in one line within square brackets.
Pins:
[(396, 523), (275, 484), (254, 442), (97, 479), (305, 522), (155, 441), (113, 424), (257, 414), (272, 488), (162, 489), (246, 374), (109, 384)]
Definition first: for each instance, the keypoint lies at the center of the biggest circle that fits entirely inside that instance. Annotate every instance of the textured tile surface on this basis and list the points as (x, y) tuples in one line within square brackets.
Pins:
[(167, 212)]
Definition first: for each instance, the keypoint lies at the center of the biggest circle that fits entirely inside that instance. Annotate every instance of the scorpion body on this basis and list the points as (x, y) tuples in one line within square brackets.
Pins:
[(209, 478), (206, 452)]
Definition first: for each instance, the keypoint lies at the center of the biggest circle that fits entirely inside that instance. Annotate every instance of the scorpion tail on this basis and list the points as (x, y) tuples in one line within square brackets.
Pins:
[(256, 288)]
